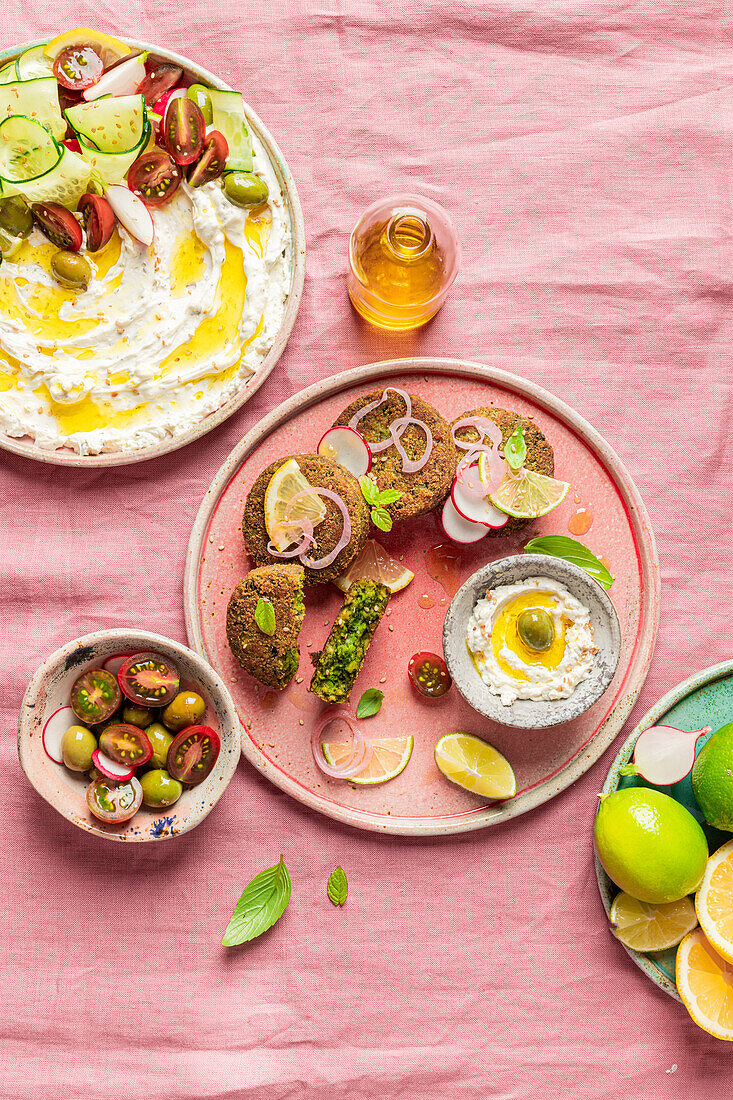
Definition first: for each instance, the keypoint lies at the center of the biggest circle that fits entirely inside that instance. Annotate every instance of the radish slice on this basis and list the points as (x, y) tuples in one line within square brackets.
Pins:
[(665, 755), (162, 104), (110, 769), (347, 447), (131, 212), (460, 529), (477, 509), (122, 80), (60, 721), (114, 664), (360, 746), (72, 145)]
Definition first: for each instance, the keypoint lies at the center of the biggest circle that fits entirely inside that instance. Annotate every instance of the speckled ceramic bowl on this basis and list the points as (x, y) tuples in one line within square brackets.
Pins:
[(527, 713), (66, 791)]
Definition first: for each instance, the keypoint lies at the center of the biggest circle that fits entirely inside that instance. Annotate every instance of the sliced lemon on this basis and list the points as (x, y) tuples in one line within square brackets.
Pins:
[(110, 49), (475, 765), (714, 901), (375, 564), (646, 927), (285, 483), (705, 984), (9, 245), (527, 495), (389, 758)]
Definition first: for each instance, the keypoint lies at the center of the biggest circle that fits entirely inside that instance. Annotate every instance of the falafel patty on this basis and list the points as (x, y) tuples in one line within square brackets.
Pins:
[(320, 473), (271, 659), (540, 457), (426, 488), (342, 656)]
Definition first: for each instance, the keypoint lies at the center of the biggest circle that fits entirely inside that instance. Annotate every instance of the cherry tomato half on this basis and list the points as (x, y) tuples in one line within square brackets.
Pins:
[(78, 67), (429, 675), (184, 130), (211, 163), (98, 219), (159, 81), (149, 679), (126, 744), (154, 178), (58, 224), (114, 802), (95, 695), (192, 754)]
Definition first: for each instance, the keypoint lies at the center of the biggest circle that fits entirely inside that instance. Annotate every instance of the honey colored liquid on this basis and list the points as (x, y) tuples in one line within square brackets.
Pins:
[(397, 271)]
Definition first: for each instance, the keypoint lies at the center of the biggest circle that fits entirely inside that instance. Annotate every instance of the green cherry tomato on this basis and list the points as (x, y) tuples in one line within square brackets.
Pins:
[(160, 738), (185, 710), (160, 788), (77, 746), (245, 188), (199, 94)]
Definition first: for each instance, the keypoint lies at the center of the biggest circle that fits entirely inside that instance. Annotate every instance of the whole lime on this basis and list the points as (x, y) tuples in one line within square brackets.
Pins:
[(650, 845), (712, 779)]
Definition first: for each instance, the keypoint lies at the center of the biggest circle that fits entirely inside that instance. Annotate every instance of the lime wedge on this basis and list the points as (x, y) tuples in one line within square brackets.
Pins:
[(643, 926), (527, 495), (475, 766)]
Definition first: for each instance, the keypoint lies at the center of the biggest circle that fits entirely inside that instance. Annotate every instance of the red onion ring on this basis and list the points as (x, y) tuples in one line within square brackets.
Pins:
[(483, 426), (377, 447), (356, 760), (307, 540), (397, 429)]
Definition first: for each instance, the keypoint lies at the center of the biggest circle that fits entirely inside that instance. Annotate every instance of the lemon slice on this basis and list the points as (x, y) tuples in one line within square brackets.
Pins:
[(284, 484), (705, 984), (646, 927), (9, 245), (110, 49), (714, 901), (475, 765), (375, 564), (527, 495), (389, 758)]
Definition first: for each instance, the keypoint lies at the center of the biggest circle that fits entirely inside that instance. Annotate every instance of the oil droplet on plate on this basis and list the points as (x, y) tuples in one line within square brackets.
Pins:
[(268, 701), (425, 601), (604, 561), (443, 563), (580, 522)]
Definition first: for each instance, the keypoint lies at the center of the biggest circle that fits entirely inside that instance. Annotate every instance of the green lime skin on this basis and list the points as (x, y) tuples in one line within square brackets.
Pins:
[(650, 845), (15, 216), (77, 746), (137, 716), (159, 788), (245, 188), (185, 710), (712, 779), (199, 94), (160, 738)]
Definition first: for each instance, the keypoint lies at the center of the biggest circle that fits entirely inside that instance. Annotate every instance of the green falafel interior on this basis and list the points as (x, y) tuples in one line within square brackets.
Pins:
[(346, 646)]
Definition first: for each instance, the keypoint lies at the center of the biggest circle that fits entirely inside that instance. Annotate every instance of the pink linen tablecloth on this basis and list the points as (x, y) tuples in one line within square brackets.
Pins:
[(583, 148)]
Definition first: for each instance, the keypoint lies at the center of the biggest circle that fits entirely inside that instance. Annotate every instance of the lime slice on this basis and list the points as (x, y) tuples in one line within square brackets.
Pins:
[(375, 564), (527, 495), (9, 245), (389, 758), (284, 484), (475, 766), (643, 926), (27, 149), (110, 49)]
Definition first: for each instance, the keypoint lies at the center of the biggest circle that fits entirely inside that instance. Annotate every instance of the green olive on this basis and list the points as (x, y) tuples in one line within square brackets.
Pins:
[(536, 628), (15, 216), (137, 716), (185, 710), (201, 96), (159, 788), (160, 738), (77, 746), (71, 270), (245, 188)]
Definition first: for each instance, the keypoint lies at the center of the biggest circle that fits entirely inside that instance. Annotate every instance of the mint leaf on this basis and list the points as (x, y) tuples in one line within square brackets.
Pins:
[(388, 496), (265, 616), (369, 490), (382, 519), (263, 902), (338, 887), (515, 449), (562, 546), (369, 703)]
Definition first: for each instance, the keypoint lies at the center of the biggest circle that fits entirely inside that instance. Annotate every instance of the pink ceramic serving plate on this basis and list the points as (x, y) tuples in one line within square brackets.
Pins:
[(277, 726)]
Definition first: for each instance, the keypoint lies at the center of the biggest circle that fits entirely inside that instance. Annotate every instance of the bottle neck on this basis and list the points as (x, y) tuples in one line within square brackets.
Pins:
[(408, 236)]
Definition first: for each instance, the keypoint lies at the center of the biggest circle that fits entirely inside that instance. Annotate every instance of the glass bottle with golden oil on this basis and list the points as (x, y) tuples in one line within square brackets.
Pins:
[(403, 259)]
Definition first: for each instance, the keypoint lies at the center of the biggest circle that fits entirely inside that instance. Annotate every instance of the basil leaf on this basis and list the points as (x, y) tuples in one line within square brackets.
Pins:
[(369, 703), (562, 546), (515, 449), (382, 519), (265, 616), (263, 902), (388, 496), (338, 887), (369, 490)]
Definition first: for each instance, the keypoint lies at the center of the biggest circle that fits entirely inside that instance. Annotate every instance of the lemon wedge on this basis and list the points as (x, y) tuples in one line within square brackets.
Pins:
[(528, 495), (375, 564), (285, 483), (643, 926), (705, 984), (475, 766), (110, 49), (389, 757)]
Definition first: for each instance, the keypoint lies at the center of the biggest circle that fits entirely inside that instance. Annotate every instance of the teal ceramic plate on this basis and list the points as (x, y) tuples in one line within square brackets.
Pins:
[(705, 699)]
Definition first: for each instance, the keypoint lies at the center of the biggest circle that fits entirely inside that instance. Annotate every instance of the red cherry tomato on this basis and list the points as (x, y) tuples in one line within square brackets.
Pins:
[(212, 161), (98, 219), (78, 67), (429, 675), (184, 130), (95, 696), (159, 81), (154, 178), (149, 679), (58, 224), (114, 802), (192, 754), (126, 744)]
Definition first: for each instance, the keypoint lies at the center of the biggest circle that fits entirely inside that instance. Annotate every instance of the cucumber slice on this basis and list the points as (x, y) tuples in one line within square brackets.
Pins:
[(27, 149), (112, 167), (230, 120), (38, 99), (113, 125), (8, 73), (33, 64), (65, 183), (9, 245)]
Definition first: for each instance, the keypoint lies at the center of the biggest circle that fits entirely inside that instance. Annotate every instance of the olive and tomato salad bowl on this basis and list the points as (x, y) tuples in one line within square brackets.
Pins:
[(165, 719)]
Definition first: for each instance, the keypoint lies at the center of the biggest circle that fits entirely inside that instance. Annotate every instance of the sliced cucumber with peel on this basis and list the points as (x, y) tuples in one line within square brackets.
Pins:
[(37, 99), (33, 64), (113, 167), (8, 73), (64, 183), (113, 125), (27, 149), (230, 120)]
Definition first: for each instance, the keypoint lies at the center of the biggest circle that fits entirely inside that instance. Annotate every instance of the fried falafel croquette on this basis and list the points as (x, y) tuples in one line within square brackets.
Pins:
[(341, 658), (270, 659)]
